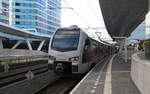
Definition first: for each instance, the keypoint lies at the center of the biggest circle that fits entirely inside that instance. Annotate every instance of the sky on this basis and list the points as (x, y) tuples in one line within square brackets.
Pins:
[(85, 14)]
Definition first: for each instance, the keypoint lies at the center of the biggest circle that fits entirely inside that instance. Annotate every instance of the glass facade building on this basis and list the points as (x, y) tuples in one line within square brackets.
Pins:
[(42, 15), (4, 13)]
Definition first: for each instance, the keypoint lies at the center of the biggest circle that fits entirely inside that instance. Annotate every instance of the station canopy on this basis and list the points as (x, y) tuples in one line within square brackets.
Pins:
[(10, 32), (121, 17)]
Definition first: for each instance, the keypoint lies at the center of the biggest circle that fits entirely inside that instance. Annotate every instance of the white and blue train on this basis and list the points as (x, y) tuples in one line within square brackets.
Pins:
[(72, 51)]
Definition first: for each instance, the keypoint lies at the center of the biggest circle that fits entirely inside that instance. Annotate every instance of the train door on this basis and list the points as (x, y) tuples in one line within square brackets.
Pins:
[(86, 57), (87, 52)]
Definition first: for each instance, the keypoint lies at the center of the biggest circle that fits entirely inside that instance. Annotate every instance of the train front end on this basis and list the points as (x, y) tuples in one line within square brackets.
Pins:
[(64, 54)]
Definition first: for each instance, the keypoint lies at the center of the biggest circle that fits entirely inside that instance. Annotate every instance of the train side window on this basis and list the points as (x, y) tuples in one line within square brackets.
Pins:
[(87, 42)]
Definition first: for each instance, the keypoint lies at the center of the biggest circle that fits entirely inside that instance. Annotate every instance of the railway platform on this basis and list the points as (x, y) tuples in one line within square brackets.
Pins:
[(25, 71), (13, 56), (111, 76), (18, 53)]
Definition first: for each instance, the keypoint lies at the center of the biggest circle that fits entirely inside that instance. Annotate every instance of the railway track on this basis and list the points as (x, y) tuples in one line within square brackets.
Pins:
[(18, 74), (61, 86)]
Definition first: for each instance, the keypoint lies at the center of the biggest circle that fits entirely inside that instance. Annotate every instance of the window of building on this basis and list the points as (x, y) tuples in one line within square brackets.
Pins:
[(17, 4), (17, 10), (17, 23), (17, 16)]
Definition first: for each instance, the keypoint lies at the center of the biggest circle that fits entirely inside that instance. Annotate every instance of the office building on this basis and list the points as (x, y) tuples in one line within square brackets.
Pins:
[(33, 15)]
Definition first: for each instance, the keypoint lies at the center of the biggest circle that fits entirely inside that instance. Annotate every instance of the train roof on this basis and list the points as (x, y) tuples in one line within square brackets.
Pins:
[(93, 35), (68, 28), (89, 33), (73, 27)]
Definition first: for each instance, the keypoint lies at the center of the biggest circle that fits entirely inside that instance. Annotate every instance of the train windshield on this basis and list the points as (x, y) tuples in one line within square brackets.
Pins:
[(66, 40)]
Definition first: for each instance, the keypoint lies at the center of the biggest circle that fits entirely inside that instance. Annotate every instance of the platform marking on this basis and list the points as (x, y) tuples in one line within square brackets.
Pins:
[(98, 79), (108, 85), (95, 84), (100, 73), (92, 91)]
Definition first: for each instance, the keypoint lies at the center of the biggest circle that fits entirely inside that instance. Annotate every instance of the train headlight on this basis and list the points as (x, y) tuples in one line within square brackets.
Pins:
[(52, 57), (73, 59)]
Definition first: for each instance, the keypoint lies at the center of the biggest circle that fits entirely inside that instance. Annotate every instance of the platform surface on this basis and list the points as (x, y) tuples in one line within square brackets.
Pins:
[(112, 76)]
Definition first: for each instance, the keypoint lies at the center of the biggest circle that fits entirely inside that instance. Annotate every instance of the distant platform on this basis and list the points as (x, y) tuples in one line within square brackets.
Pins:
[(20, 56)]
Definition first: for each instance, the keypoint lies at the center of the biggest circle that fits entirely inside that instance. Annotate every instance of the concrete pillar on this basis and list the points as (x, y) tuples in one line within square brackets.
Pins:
[(125, 49), (1, 8), (1, 44), (121, 45)]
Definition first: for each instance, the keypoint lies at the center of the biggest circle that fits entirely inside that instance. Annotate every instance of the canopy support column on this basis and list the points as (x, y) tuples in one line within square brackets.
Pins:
[(41, 45), (17, 44), (126, 52), (29, 45), (1, 44)]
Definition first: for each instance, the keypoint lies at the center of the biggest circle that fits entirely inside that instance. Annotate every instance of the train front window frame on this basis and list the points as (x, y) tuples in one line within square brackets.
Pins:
[(65, 40)]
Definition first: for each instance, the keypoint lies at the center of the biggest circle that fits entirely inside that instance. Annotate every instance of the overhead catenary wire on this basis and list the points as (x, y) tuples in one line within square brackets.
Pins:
[(93, 10), (86, 22), (89, 27)]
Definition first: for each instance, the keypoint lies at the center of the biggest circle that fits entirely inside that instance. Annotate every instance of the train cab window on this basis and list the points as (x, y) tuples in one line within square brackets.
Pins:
[(65, 40), (87, 51)]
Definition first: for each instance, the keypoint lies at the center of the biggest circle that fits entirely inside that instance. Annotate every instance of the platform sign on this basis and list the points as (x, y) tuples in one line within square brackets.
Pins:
[(29, 75), (6, 67), (147, 49)]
